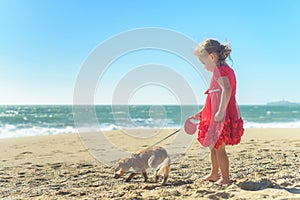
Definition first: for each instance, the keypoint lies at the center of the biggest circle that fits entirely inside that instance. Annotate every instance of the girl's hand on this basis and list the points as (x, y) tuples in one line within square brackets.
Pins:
[(197, 116), (219, 116)]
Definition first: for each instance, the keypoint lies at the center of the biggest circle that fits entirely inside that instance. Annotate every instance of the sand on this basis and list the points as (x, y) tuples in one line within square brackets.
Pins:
[(265, 165)]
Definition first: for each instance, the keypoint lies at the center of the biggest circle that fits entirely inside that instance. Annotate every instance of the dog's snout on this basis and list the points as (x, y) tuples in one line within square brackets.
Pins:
[(117, 176)]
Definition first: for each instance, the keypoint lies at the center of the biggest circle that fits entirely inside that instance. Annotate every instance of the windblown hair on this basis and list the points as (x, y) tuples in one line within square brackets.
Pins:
[(213, 46)]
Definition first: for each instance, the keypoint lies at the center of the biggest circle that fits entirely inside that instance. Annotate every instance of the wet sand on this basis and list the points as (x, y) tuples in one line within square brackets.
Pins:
[(265, 165)]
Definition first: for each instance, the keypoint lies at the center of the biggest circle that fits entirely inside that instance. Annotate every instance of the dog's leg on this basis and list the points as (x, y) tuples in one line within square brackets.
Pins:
[(165, 180), (145, 176), (130, 177), (166, 171), (156, 175)]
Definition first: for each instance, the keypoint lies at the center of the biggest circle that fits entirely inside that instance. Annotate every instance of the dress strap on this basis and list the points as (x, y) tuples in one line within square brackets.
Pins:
[(211, 91)]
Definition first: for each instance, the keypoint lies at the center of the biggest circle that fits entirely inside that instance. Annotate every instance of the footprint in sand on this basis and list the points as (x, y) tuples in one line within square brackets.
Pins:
[(25, 152), (222, 195), (254, 186), (55, 165), (63, 193), (20, 155), (57, 151)]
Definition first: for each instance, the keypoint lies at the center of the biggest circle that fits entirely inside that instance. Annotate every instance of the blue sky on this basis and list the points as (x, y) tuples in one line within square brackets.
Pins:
[(43, 45)]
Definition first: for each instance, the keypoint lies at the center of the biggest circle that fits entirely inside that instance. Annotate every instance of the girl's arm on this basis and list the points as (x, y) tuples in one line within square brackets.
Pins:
[(225, 97), (197, 115)]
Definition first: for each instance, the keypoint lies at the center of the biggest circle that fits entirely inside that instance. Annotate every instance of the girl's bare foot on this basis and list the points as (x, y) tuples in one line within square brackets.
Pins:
[(211, 178), (223, 182)]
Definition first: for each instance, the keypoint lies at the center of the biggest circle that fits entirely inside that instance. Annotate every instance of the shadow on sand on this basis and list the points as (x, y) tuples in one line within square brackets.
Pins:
[(264, 184)]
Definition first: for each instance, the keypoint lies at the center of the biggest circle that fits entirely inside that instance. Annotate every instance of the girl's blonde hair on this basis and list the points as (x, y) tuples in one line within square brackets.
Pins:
[(213, 46)]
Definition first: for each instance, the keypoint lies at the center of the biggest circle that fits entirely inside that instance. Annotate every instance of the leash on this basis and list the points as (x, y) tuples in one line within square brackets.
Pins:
[(164, 138)]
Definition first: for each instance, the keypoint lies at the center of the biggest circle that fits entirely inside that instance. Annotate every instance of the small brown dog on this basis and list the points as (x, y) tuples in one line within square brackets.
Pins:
[(155, 157)]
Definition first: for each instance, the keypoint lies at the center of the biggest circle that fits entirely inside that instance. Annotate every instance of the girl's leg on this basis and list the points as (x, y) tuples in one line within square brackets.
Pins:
[(213, 176), (223, 163)]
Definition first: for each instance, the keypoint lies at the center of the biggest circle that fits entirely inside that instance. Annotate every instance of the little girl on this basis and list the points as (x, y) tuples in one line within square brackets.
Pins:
[(220, 119)]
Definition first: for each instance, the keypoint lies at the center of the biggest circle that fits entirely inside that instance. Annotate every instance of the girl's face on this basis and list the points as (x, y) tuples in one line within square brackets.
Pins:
[(209, 61)]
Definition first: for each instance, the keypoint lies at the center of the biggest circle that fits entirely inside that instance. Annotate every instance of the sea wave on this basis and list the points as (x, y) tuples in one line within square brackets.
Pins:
[(11, 131), (272, 125)]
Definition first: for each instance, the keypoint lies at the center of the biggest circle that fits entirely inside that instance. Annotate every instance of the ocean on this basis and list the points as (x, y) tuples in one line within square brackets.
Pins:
[(31, 120)]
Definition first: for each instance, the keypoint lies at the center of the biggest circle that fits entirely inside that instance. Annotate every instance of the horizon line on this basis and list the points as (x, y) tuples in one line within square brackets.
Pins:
[(142, 104)]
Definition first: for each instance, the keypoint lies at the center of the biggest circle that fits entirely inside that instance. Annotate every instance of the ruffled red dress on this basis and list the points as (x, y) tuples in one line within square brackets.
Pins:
[(230, 129)]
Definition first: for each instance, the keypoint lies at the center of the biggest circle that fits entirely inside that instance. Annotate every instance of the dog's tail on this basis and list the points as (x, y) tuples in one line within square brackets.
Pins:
[(164, 169)]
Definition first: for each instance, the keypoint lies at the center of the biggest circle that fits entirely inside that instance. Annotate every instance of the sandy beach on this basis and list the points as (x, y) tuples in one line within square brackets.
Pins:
[(265, 165)]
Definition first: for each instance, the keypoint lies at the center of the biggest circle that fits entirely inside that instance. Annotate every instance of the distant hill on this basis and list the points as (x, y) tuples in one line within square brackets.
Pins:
[(282, 103)]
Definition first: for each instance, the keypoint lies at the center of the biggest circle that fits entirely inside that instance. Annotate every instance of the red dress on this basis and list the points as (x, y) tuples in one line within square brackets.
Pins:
[(230, 130)]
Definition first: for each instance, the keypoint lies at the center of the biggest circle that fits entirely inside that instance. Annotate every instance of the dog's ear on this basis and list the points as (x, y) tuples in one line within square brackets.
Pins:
[(117, 168), (134, 155)]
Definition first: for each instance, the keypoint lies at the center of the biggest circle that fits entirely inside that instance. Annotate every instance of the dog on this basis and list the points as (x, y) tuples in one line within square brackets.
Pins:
[(154, 157)]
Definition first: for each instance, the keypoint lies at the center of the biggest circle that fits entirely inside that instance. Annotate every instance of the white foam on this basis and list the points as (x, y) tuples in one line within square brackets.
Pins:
[(110, 127), (272, 125), (11, 131)]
